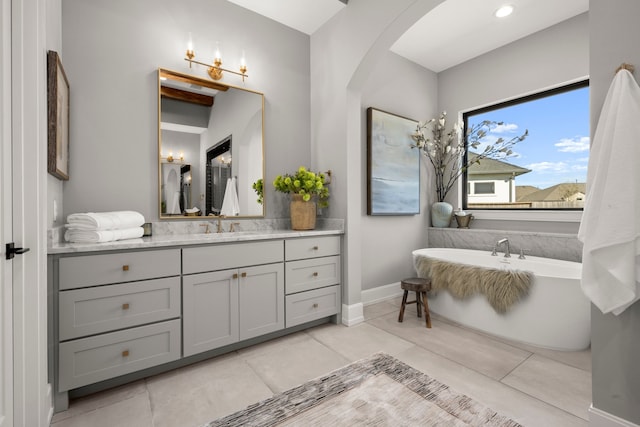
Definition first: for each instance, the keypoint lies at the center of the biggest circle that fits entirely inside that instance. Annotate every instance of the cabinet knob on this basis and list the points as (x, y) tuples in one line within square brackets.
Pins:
[(125, 306), (315, 248), (315, 305), (125, 267), (315, 274), (244, 275), (125, 353), (235, 275)]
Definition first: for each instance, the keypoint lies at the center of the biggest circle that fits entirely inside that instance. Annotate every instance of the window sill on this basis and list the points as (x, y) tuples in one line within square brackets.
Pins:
[(524, 215)]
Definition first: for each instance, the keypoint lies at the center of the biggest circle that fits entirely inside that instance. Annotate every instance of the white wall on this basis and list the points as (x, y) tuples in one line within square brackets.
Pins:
[(112, 51)]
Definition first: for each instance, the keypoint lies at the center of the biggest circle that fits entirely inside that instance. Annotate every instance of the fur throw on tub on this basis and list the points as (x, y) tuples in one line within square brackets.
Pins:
[(503, 288)]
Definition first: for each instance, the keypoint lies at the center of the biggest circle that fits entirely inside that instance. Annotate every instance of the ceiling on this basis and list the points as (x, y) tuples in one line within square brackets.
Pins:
[(452, 33)]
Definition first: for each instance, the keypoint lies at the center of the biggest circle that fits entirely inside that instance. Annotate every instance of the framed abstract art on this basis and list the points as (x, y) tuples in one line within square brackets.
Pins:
[(393, 167)]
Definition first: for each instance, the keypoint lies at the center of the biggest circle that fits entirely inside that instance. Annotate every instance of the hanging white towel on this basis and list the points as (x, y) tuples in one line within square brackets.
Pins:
[(230, 205), (105, 220), (610, 227)]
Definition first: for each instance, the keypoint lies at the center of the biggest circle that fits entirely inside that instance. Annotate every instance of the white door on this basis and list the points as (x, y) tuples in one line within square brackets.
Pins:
[(6, 279)]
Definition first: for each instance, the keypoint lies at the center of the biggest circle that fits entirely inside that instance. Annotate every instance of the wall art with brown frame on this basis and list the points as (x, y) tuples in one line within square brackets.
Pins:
[(58, 117)]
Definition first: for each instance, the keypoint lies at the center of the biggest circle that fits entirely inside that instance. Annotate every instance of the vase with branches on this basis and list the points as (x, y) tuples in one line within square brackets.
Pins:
[(445, 149)]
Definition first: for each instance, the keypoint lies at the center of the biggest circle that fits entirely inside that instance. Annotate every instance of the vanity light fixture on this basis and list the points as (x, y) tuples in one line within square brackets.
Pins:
[(215, 70), (504, 11), (171, 159)]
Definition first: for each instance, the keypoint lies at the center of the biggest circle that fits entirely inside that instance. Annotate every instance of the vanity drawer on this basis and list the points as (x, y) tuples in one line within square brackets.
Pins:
[(106, 308), (307, 274), (91, 270), (221, 257), (311, 247), (307, 306), (89, 360)]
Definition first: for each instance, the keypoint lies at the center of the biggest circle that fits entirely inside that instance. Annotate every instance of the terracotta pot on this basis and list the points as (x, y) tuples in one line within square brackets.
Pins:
[(303, 214)]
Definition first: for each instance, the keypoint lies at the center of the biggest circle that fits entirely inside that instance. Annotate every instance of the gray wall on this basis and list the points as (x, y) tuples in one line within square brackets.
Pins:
[(413, 96), (615, 344), (549, 58), (112, 51)]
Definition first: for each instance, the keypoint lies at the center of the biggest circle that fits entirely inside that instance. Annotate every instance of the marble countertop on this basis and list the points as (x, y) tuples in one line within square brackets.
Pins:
[(169, 240)]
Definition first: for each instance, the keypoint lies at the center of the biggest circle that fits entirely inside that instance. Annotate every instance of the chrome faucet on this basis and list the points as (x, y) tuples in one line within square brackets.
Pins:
[(507, 252)]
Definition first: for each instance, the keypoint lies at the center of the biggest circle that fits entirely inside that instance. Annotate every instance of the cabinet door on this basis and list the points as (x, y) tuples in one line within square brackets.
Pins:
[(261, 300), (210, 310)]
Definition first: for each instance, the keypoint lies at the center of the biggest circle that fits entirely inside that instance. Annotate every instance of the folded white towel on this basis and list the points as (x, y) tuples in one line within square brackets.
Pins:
[(610, 226), (98, 221), (93, 236)]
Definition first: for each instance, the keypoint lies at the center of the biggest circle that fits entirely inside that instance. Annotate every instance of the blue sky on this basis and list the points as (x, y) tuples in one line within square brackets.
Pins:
[(557, 148)]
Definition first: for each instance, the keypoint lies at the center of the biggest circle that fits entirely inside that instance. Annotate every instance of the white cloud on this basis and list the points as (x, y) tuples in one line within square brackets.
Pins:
[(505, 128), (548, 167), (573, 145)]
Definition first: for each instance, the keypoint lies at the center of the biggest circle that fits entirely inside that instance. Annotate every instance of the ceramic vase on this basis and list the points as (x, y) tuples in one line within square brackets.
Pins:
[(303, 214), (441, 213)]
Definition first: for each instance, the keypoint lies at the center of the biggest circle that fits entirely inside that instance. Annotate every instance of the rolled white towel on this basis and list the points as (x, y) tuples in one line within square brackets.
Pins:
[(94, 236), (98, 221)]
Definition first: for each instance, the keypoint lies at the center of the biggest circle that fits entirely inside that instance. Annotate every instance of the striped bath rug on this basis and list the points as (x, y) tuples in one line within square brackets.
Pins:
[(378, 391)]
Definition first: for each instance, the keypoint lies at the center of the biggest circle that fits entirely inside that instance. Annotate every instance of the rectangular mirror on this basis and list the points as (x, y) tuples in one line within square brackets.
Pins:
[(210, 147)]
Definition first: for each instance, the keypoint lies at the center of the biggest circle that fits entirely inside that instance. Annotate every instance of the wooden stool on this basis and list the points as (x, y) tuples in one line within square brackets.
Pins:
[(420, 286)]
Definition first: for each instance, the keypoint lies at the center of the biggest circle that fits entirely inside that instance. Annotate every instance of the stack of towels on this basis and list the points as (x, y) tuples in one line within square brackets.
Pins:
[(98, 227)]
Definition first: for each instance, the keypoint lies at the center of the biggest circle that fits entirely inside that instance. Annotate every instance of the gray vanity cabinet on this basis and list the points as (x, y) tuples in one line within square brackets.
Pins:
[(117, 313), (226, 306), (312, 268)]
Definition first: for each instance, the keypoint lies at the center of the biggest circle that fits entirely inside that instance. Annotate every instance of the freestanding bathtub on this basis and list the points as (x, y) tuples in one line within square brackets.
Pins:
[(555, 314)]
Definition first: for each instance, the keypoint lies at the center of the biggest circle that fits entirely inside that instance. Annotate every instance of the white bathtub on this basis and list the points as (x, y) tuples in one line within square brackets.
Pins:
[(555, 314)]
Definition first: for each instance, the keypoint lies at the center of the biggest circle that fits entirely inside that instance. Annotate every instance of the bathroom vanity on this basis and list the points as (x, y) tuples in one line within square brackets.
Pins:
[(126, 310)]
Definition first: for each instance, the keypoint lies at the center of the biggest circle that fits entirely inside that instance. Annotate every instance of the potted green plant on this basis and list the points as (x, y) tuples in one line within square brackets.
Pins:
[(258, 187), (305, 187)]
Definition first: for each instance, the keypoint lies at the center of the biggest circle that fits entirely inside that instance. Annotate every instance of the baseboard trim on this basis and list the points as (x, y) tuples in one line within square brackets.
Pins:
[(381, 293), (352, 314), (600, 418)]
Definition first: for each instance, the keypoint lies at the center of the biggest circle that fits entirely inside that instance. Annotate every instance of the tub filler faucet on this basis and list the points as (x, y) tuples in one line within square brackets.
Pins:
[(507, 251)]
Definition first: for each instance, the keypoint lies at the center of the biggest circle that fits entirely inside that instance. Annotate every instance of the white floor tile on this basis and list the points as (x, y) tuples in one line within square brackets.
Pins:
[(553, 382)]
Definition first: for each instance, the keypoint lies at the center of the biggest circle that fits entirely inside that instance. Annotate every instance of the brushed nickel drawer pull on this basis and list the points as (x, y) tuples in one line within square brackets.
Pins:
[(244, 275), (125, 306), (125, 353), (315, 274), (125, 267), (235, 275), (315, 305)]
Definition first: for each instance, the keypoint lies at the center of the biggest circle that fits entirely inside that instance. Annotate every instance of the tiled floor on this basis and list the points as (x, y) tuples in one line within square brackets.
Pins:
[(533, 386)]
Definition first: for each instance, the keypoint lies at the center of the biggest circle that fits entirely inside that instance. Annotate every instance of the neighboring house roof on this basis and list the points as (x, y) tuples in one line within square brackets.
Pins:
[(523, 190), (492, 167), (559, 192)]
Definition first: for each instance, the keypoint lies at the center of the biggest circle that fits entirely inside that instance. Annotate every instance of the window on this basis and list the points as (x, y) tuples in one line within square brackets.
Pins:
[(484, 188), (545, 171)]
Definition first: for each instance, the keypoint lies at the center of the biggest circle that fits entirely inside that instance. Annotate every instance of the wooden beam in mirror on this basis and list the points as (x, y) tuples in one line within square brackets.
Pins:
[(186, 96), (210, 147)]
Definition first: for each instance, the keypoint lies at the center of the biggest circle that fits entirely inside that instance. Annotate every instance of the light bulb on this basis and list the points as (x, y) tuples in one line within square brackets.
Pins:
[(190, 43), (504, 11)]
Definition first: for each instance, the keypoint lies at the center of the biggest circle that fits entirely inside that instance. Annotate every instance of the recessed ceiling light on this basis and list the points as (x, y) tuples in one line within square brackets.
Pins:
[(505, 10)]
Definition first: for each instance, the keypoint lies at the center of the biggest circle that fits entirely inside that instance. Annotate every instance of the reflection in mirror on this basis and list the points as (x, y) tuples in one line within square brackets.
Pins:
[(210, 144)]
